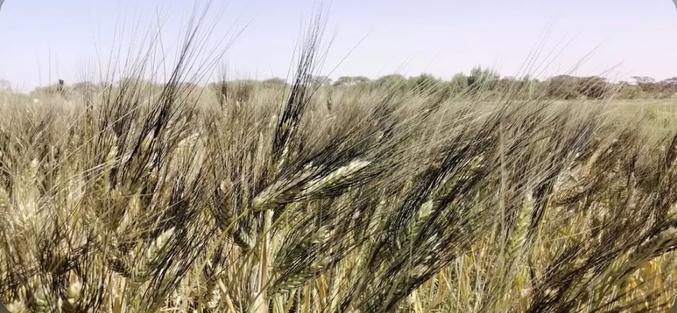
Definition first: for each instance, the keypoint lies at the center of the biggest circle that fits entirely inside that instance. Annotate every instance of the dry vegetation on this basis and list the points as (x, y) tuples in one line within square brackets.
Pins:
[(135, 198)]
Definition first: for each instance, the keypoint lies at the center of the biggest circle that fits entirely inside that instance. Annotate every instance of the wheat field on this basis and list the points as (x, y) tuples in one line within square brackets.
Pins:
[(181, 197)]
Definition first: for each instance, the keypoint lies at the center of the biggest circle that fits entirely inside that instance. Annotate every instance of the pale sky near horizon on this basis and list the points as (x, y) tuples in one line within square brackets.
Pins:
[(43, 40)]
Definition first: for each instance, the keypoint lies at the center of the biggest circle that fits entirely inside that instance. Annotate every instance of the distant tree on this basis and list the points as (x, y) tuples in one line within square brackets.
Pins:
[(592, 87), (572, 87), (480, 78), (644, 79), (506, 83), (425, 83), (626, 90), (362, 79), (459, 82), (668, 87), (648, 85), (321, 80), (275, 81), (84, 87), (669, 82), (562, 87), (392, 81), (350, 81), (343, 81)]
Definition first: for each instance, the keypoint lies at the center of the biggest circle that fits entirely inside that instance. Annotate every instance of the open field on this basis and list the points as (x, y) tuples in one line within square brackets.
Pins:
[(657, 116), (136, 198)]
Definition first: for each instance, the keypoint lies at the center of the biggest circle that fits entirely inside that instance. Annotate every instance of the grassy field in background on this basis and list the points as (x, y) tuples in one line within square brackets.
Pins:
[(658, 115), (140, 198)]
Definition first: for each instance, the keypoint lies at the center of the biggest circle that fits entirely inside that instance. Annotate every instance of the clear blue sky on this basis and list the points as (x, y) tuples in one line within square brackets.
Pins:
[(42, 40)]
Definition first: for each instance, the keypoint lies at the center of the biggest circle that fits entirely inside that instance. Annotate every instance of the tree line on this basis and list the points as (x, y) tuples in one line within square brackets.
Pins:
[(478, 81)]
